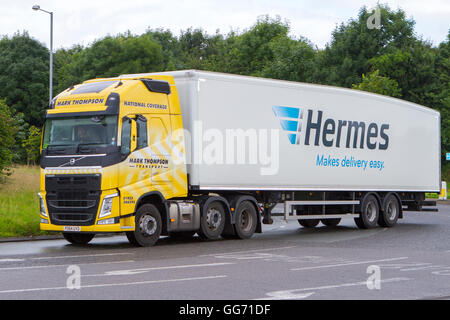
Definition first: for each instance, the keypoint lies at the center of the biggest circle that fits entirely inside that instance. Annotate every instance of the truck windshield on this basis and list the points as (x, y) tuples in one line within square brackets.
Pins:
[(80, 135)]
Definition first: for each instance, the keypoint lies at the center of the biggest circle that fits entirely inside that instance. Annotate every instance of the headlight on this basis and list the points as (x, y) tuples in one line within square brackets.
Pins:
[(107, 205), (42, 206)]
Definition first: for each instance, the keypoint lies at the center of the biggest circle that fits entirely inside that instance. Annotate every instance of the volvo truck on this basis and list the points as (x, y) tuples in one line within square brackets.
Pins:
[(193, 152)]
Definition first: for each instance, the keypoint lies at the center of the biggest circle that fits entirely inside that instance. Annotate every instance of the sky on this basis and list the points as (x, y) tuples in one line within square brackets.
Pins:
[(84, 21)]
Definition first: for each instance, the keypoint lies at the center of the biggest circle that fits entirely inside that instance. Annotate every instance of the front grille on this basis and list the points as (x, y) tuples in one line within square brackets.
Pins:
[(73, 199), (72, 218)]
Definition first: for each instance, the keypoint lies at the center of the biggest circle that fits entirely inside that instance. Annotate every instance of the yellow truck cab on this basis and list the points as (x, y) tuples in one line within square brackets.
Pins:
[(107, 149)]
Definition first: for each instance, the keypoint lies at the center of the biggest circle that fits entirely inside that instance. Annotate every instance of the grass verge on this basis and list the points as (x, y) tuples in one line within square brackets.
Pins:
[(19, 204)]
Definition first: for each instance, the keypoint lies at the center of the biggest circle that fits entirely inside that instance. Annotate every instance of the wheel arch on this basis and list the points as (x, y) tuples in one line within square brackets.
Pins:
[(156, 198)]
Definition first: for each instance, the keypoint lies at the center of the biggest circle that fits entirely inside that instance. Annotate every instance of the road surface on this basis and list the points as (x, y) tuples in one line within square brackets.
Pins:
[(286, 261)]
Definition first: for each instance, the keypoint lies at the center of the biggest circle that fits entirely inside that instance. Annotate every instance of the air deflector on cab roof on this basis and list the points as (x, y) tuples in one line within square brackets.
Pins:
[(157, 85)]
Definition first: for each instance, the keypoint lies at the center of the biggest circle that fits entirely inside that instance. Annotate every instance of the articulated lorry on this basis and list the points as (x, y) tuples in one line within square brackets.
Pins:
[(186, 152)]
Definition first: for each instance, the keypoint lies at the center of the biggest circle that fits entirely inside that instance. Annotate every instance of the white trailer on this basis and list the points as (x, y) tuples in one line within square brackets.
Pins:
[(324, 152)]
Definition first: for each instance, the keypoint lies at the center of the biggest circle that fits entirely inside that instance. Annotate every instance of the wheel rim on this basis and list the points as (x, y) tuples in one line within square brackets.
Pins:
[(371, 211), (391, 210), (213, 219), (148, 225), (246, 220)]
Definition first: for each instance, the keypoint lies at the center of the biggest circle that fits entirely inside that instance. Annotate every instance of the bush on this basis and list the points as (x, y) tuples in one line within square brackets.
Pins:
[(7, 132)]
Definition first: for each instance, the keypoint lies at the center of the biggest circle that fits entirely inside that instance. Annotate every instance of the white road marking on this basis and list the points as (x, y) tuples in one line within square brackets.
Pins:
[(296, 293), (143, 270), (82, 256), (63, 265), (11, 260), (347, 264), (115, 284), (248, 251)]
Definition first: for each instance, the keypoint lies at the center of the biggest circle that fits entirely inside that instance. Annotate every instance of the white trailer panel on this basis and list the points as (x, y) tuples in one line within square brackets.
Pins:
[(302, 136)]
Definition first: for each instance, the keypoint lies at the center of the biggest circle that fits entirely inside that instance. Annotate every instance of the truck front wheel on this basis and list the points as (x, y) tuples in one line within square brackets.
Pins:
[(78, 238), (148, 226)]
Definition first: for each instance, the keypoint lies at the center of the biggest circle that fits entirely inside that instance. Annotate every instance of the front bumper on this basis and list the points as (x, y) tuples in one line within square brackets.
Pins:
[(76, 203)]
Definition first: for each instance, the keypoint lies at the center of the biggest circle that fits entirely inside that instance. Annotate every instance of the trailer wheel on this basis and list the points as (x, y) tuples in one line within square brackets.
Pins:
[(370, 210), (246, 220), (78, 238), (391, 212), (147, 226), (308, 223), (212, 221), (331, 222)]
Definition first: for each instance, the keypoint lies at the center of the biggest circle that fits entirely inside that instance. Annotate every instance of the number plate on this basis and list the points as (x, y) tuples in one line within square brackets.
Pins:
[(72, 228)]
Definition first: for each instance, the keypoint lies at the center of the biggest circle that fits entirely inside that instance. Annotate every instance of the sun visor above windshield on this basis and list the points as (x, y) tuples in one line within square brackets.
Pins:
[(72, 106)]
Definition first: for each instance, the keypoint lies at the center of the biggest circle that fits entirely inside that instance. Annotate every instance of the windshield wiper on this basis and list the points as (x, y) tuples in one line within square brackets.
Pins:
[(53, 148), (87, 144)]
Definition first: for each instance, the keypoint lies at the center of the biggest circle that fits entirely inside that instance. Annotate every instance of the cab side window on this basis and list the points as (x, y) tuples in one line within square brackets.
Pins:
[(142, 140)]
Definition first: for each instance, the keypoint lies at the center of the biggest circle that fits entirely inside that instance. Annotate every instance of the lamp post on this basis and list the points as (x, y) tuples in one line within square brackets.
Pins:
[(38, 8)]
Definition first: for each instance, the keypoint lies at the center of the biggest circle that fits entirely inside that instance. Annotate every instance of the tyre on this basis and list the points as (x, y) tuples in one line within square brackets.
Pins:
[(370, 210), (246, 220), (331, 222), (148, 226), (212, 221), (78, 238), (391, 211), (308, 223)]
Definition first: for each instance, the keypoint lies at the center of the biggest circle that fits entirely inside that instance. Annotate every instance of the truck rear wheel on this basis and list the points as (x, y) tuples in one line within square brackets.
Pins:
[(212, 221), (370, 210), (308, 223), (246, 220), (147, 226), (78, 238), (391, 211)]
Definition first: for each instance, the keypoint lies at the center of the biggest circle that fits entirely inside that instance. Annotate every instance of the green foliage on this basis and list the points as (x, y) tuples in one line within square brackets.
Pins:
[(110, 57), (24, 74), (292, 60), (7, 132), (345, 59), (253, 50), (375, 83), (32, 145)]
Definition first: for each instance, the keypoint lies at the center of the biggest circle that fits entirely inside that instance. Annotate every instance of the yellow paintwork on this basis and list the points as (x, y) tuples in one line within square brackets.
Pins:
[(138, 173)]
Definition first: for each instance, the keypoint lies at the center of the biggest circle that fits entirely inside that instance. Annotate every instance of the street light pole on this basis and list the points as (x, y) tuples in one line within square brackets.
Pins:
[(38, 8)]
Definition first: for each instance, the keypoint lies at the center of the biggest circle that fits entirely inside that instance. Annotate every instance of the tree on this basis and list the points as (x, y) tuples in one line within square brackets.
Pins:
[(171, 49), (253, 50), (344, 60), (24, 76), (111, 57), (375, 83), (32, 145), (413, 68), (6, 138), (293, 60)]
